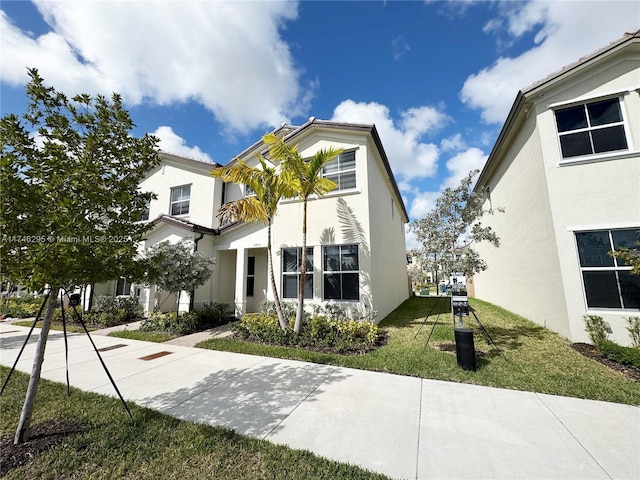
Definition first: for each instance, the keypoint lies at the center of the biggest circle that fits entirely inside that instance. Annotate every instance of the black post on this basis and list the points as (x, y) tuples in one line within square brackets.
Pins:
[(465, 348)]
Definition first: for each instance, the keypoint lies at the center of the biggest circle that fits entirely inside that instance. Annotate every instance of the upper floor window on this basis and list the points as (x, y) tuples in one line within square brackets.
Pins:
[(180, 197), (342, 170), (591, 128), (608, 282), (145, 214)]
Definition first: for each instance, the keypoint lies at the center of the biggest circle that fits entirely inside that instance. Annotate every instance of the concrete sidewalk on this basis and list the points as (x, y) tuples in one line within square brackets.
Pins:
[(405, 427)]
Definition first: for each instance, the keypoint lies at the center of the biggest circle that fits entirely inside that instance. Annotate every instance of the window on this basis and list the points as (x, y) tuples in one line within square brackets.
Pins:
[(591, 128), (248, 191), (342, 170), (608, 282), (180, 200), (251, 275), (123, 287), (145, 214), (291, 263), (341, 273)]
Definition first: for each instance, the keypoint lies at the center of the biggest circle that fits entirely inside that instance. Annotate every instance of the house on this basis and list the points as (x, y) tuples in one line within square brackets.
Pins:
[(566, 168), (355, 234)]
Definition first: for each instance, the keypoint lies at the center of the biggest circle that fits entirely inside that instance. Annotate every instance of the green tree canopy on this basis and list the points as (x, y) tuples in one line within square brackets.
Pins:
[(69, 172), (448, 232)]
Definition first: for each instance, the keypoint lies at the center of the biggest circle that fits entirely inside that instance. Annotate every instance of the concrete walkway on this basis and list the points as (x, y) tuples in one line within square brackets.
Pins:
[(405, 427)]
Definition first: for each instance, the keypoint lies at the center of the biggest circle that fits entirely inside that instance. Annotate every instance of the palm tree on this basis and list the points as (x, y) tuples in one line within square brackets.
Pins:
[(305, 176), (268, 187)]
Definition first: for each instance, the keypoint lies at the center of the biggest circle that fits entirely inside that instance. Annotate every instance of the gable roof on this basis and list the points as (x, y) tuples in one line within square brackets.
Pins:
[(290, 132), (199, 164), (184, 224), (518, 107)]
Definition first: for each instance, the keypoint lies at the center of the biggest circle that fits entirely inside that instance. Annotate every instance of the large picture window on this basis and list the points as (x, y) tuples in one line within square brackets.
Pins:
[(591, 128), (607, 281), (341, 272), (342, 170), (180, 197), (291, 265)]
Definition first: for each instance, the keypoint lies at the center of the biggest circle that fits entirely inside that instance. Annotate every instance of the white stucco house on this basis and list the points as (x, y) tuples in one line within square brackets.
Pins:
[(355, 234), (566, 168)]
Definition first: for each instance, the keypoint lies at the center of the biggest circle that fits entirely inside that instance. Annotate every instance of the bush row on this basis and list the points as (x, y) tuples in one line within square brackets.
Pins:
[(598, 331), (319, 332), (209, 316)]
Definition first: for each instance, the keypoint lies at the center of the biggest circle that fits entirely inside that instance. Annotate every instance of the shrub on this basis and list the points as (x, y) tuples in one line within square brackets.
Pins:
[(289, 309), (597, 329), (21, 307), (127, 308), (634, 330), (212, 314), (625, 355), (183, 324), (262, 327)]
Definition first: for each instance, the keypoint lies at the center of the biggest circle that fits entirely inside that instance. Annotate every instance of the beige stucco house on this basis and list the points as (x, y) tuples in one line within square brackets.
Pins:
[(566, 167), (355, 234)]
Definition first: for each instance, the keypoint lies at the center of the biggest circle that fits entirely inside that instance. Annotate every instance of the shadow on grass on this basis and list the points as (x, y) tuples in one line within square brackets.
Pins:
[(414, 311)]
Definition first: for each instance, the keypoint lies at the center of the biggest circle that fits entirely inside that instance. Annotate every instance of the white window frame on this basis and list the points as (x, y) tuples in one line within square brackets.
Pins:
[(591, 128), (181, 201), (338, 174), (297, 274)]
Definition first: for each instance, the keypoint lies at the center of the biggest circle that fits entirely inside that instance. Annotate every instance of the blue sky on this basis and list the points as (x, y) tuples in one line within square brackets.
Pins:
[(209, 78)]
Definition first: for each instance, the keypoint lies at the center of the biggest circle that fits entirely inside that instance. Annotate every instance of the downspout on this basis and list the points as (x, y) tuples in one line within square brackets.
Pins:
[(195, 249)]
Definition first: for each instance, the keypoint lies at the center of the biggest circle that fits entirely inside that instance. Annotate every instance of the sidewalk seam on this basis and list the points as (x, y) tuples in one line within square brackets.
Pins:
[(572, 435), (266, 436), (419, 430)]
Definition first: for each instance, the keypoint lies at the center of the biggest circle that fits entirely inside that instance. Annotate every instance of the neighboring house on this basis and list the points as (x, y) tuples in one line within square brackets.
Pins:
[(566, 168), (355, 234)]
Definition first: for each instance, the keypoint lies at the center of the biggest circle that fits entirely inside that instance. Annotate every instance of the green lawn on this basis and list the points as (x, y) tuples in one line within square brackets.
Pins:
[(536, 359), (71, 327), (156, 447), (157, 337)]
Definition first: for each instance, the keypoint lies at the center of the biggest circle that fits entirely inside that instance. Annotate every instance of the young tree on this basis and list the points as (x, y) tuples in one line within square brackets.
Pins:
[(70, 172), (268, 188), (305, 175), (449, 230), (175, 267)]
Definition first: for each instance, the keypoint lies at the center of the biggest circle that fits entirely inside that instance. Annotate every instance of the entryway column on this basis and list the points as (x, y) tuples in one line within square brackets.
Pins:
[(241, 275)]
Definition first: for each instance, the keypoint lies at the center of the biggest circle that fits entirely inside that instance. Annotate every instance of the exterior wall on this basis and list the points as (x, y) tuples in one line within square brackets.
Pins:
[(523, 274), (204, 191), (548, 199), (389, 278), (600, 192)]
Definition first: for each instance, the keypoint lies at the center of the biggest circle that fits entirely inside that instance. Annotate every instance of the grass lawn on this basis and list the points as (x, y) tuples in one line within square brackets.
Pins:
[(156, 446), (157, 337), (537, 359), (71, 327)]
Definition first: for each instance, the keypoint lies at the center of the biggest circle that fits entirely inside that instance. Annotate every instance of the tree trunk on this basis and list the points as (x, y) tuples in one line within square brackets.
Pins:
[(178, 304), (303, 271), (22, 432), (284, 324)]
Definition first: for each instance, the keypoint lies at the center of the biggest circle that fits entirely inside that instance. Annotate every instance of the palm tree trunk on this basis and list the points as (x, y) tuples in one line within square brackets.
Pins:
[(22, 432), (284, 324), (303, 271)]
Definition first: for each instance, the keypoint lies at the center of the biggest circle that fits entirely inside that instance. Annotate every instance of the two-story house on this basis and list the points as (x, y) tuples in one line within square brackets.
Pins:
[(566, 167), (355, 234)]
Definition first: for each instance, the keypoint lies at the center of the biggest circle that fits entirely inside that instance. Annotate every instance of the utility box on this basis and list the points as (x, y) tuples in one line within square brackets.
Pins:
[(465, 348)]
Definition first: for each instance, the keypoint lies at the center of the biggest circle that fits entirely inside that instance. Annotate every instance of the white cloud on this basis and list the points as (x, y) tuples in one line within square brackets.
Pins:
[(229, 56), (461, 164), (171, 142), (400, 47), (453, 143), (410, 238), (422, 203), (560, 40), (408, 155)]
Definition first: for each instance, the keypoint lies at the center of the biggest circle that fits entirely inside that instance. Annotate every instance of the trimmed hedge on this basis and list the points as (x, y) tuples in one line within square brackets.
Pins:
[(319, 332), (624, 355)]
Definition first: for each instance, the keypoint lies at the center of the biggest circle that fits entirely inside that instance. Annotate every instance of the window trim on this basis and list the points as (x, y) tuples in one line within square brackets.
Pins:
[(594, 156), (297, 273), (172, 202), (615, 268), (339, 172), (340, 273)]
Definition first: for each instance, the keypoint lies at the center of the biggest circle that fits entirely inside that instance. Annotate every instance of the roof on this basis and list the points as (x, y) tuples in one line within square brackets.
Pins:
[(290, 132), (181, 223), (527, 92), (188, 161)]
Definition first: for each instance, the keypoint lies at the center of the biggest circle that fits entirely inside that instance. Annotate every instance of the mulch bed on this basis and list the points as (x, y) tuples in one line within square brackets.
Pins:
[(590, 351), (44, 436)]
